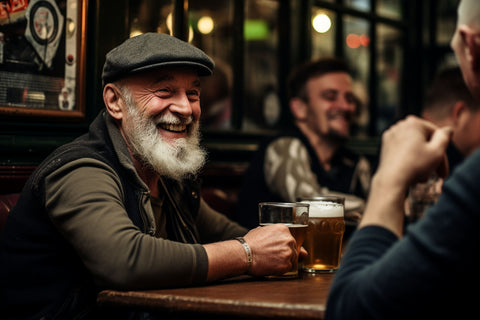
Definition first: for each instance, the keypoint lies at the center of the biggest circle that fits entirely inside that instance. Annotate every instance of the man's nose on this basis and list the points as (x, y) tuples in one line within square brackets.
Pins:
[(181, 105), (346, 103)]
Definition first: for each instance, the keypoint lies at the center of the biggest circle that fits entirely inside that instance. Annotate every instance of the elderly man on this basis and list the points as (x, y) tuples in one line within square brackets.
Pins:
[(119, 207), (311, 159), (431, 270)]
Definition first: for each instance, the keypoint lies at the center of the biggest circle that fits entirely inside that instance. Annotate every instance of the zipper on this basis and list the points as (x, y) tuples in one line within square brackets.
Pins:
[(147, 227), (179, 215)]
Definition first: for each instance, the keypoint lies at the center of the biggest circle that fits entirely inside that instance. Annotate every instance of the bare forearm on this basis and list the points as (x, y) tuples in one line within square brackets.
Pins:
[(272, 249), (385, 205), (225, 259)]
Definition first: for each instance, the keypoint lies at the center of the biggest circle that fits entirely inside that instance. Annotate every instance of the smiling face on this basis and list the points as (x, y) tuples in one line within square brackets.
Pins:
[(160, 118), (169, 96), (331, 105)]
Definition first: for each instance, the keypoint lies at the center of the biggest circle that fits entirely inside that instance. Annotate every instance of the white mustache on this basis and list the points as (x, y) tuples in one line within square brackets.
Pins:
[(171, 119)]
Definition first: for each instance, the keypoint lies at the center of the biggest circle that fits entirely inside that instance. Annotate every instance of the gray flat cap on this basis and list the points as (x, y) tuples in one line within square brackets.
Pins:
[(153, 50)]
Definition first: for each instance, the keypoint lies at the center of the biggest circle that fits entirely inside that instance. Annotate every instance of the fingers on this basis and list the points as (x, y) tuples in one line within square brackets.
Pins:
[(413, 149), (440, 138), (303, 253), (439, 141), (274, 250)]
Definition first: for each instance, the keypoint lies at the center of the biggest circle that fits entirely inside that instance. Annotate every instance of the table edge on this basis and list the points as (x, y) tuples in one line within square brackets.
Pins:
[(210, 305)]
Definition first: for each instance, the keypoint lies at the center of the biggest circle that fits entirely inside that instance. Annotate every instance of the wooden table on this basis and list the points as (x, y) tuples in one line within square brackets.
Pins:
[(237, 298)]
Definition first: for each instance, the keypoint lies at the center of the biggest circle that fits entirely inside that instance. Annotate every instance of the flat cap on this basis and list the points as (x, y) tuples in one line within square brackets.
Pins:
[(153, 50)]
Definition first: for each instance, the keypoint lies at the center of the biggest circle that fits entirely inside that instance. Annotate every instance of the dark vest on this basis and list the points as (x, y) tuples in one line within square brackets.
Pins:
[(43, 272)]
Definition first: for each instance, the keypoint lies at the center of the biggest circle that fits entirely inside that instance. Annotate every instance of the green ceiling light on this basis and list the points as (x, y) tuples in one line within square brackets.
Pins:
[(255, 30)]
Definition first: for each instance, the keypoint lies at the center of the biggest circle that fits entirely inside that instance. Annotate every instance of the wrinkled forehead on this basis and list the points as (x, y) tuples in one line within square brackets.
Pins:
[(469, 13), (166, 74)]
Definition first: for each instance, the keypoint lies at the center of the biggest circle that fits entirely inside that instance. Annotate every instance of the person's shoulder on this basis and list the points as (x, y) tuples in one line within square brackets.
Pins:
[(285, 138), (466, 175), (475, 155), (470, 164), (288, 145)]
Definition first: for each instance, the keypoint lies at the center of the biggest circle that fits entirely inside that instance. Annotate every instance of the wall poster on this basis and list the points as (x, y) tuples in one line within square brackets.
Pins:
[(42, 58)]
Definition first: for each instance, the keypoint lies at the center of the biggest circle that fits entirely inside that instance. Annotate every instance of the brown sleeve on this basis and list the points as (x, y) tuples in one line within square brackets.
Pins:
[(215, 226), (85, 202)]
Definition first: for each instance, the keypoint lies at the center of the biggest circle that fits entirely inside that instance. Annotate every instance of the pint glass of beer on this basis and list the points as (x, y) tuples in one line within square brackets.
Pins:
[(294, 215), (325, 234)]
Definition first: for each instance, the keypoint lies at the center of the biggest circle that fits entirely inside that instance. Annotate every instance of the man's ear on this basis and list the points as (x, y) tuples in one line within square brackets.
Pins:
[(457, 111), (471, 39), (112, 99), (298, 107)]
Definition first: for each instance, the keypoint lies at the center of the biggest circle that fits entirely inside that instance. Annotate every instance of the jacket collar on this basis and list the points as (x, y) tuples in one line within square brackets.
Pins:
[(121, 149)]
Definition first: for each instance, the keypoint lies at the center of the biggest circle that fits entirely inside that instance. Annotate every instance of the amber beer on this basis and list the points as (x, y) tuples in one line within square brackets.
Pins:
[(299, 232), (325, 233)]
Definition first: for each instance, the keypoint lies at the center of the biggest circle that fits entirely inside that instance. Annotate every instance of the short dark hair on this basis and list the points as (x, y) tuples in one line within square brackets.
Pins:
[(447, 88), (304, 72)]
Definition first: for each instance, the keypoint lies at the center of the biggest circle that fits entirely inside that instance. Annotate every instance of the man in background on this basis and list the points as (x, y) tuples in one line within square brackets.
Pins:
[(449, 103), (311, 159)]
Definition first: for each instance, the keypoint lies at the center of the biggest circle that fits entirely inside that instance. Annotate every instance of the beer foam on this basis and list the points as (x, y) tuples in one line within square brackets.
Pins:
[(324, 209)]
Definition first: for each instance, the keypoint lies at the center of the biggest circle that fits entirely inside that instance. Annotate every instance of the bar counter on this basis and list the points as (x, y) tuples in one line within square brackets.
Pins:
[(237, 298)]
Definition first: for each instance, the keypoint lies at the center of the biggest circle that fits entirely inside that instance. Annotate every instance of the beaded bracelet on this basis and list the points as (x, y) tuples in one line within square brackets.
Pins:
[(248, 251)]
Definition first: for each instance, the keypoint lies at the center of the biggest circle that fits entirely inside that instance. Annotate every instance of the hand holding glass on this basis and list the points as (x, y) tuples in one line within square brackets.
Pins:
[(294, 215)]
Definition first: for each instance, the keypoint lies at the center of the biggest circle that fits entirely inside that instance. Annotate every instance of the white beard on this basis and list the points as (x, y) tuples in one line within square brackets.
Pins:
[(176, 159)]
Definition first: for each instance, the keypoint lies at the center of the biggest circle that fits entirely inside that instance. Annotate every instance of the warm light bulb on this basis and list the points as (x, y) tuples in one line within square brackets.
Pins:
[(169, 23), (205, 25), (321, 23), (190, 34)]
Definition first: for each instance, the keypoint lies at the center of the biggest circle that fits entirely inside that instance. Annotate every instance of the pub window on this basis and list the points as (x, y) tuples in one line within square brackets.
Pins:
[(211, 29), (256, 43), (370, 36), (323, 32)]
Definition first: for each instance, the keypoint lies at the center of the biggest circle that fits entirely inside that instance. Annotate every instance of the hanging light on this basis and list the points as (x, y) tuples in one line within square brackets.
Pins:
[(205, 25), (321, 23)]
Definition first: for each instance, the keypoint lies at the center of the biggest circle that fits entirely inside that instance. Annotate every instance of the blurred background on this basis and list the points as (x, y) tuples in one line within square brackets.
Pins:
[(394, 48)]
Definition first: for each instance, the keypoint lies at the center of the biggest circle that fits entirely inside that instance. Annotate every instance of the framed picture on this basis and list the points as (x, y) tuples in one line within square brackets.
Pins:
[(42, 58)]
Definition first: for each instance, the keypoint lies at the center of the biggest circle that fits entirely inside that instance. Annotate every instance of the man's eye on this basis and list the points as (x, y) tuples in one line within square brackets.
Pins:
[(330, 96), (350, 98), (163, 92), (193, 95)]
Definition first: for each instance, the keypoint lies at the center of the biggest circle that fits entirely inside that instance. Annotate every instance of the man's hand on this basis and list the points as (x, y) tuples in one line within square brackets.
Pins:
[(412, 150), (274, 250)]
